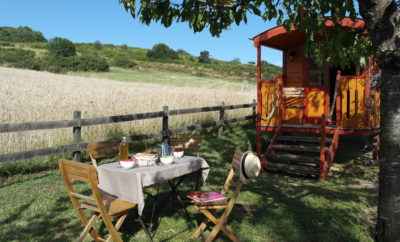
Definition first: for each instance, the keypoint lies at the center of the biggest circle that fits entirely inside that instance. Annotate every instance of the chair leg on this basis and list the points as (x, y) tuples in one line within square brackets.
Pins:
[(225, 229), (88, 228), (120, 221), (214, 232), (199, 230), (117, 225)]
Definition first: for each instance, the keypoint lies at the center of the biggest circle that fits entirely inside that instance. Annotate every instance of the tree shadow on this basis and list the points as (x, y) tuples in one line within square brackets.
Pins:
[(271, 208)]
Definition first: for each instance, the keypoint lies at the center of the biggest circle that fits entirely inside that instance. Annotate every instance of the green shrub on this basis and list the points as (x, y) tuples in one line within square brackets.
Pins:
[(6, 44), (61, 47), (124, 61), (75, 63), (91, 63), (20, 34), (162, 52), (56, 64), (204, 57), (98, 45), (19, 58), (39, 45)]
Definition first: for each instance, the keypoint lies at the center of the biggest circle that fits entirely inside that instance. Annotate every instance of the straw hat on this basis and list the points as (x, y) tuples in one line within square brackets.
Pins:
[(250, 166)]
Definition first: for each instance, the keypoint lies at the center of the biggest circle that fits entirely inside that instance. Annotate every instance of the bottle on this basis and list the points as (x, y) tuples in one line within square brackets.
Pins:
[(123, 149)]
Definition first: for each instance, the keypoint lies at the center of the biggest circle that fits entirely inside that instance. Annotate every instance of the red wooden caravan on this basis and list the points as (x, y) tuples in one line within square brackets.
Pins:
[(308, 108)]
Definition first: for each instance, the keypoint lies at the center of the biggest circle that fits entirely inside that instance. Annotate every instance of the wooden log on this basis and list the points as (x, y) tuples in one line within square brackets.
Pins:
[(28, 126), (254, 111), (165, 126), (121, 118), (221, 120), (302, 139), (42, 152), (63, 149), (296, 148), (294, 159), (77, 135)]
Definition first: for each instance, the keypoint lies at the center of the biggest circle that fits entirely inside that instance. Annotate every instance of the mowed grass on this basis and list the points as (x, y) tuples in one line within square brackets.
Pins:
[(273, 208), (170, 78)]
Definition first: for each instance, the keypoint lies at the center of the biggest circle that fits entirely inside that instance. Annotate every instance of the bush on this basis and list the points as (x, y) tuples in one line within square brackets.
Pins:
[(61, 47), (20, 34), (161, 52), (124, 61), (6, 44), (91, 63), (75, 63), (39, 45), (19, 58), (98, 45), (204, 57), (56, 64)]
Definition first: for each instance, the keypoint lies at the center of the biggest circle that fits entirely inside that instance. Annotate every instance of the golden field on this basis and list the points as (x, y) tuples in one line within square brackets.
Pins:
[(40, 96)]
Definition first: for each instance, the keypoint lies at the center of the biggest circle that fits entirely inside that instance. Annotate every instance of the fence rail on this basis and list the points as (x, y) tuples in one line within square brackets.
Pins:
[(77, 123)]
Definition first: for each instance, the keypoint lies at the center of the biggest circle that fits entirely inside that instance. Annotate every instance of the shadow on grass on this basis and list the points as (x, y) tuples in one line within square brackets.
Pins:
[(50, 225), (272, 208)]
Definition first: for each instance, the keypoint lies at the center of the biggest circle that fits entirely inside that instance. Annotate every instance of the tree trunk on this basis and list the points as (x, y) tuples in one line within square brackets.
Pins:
[(388, 223), (383, 22)]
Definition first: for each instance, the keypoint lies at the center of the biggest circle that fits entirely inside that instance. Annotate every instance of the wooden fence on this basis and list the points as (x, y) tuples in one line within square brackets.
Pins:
[(78, 122)]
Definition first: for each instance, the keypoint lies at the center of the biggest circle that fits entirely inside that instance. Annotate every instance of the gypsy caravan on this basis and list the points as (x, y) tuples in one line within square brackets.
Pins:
[(307, 108)]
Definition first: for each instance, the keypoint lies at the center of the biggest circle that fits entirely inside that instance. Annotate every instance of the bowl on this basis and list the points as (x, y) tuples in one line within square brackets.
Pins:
[(166, 160), (126, 164), (178, 154)]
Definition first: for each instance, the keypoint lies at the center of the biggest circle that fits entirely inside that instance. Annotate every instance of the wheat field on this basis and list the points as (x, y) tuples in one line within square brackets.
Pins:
[(40, 96)]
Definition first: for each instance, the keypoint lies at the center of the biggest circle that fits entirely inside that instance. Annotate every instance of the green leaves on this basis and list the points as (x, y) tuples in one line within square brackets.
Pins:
[(334, 45)]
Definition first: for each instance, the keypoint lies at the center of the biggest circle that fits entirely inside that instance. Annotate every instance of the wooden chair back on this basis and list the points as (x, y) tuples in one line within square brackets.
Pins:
[(232, 182), (233, 175), (190, 143), (102, 150), (74, 172)]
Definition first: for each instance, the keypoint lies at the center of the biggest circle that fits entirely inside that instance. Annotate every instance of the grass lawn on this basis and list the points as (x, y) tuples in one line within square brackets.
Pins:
[(35, 207), (170, 78)]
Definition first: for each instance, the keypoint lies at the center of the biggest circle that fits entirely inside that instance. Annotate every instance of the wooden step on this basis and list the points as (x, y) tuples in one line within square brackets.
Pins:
[(296, 148), (293, 169), (302, 139), (303, 126), (294, 159)]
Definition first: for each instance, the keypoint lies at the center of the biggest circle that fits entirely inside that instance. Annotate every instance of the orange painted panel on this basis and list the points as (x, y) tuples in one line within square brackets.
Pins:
[(315, 104), (269, 107), (353, 104), (293, 116)]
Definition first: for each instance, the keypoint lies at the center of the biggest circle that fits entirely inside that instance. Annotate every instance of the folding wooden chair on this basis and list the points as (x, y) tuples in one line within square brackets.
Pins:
[(205, 202), (95, 207), (102, 150), (190, 143)]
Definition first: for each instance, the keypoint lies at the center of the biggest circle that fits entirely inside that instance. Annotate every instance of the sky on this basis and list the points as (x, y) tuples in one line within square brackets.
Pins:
[(107, 21)]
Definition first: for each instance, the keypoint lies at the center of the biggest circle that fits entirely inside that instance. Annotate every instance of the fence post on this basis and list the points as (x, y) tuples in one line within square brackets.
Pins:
[(165, 129), (221, 119), (254, 108), (77, 136)]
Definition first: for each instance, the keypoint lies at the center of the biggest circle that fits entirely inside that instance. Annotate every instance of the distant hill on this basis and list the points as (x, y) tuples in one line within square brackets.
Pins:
[(23, 47)]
